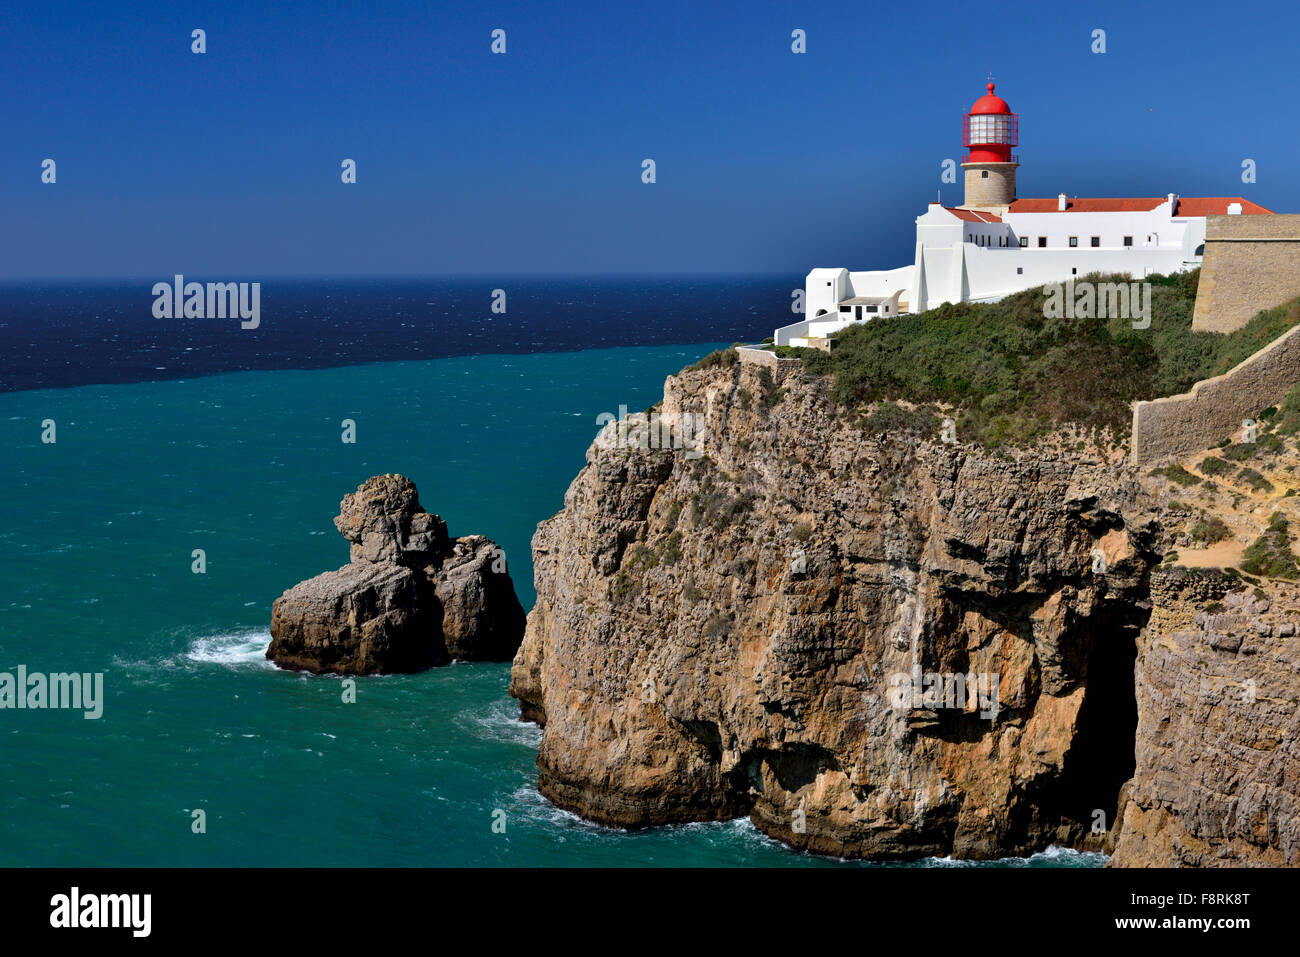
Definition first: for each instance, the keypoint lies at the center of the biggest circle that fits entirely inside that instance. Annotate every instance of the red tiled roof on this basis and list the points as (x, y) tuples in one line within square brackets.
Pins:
[(1082, 205), (1187, 205), (1204, 206), (973, 216)]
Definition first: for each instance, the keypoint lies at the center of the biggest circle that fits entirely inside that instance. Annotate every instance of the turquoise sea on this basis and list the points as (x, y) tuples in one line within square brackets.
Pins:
[(96, 536)]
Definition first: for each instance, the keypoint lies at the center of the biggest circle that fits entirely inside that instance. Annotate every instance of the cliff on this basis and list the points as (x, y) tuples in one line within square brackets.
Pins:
[(754, 630), (876, 644), (1218, 737)]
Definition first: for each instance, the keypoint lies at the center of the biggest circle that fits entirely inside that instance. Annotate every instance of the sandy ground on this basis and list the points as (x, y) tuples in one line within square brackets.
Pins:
[(1221, 555)]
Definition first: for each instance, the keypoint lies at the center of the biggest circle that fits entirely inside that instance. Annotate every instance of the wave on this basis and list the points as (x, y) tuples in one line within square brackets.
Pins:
[(231, 648), (500, 722), (1054, 856)]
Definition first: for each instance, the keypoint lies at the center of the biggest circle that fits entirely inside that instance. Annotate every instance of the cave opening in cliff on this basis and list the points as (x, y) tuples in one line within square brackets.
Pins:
[(1101, 758)]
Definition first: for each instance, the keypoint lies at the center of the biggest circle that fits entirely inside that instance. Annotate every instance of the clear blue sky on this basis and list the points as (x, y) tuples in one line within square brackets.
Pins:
[(227, 164)]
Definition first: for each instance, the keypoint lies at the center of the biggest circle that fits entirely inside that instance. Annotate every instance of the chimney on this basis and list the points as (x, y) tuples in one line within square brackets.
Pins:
[(1173, 204), (1234, 209), (1061, 203)]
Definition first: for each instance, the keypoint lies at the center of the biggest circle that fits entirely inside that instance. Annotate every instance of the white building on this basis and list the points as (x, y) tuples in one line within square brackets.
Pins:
[(995, 244)]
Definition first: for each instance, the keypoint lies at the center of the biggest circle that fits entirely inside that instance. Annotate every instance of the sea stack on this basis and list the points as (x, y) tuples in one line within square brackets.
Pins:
[(411, 598)]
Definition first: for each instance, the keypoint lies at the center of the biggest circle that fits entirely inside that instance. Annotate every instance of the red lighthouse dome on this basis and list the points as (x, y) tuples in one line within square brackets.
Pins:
[(988, 103), (989, 130)]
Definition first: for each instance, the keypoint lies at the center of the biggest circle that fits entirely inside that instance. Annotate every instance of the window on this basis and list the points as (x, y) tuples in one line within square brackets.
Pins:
[(1024, 241), (859, 313), (1128, 240), (828, 283), (873, 309), (1096, 241), (990, 127), (1074, 270), (844, 308), (1074, 241), (1042, 242), (1020, 270), (984, 174)]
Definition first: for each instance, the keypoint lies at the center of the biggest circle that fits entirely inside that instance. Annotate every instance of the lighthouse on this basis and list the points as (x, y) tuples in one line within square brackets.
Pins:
[(997, 243), (989, 131)]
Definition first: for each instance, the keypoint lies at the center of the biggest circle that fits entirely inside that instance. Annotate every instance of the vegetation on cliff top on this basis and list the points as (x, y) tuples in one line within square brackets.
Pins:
[(1271, 554), (1014, 374)]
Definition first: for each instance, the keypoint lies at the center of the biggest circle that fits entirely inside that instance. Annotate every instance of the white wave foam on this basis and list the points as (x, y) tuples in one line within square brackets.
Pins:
[(500, 722), (233, 648)]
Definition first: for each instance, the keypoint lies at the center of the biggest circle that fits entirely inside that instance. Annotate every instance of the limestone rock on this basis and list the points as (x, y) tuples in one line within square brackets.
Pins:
[(385, 523), (481, 617), (1217, 782), (367, 618), (726, 635), (412, 597), (733, 634)]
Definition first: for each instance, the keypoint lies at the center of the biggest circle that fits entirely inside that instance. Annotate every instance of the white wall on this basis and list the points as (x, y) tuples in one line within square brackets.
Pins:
[(824, 289), (992, 271), (1111, 227), (880, 282)]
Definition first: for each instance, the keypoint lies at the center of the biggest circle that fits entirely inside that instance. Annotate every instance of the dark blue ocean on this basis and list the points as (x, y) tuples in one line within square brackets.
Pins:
[(175, 435), (55, 335)]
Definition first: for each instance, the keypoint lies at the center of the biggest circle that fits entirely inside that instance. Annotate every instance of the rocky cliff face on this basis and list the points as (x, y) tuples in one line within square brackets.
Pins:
[(874, 644), (412, 597), (880, 645), (1218, 738)]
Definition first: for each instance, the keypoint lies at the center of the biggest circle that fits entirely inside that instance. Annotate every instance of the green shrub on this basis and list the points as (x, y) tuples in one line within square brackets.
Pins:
[(1176, 473), (625, 586), (673, 549), (772, 396), (1254, 480), (1288, 419), (1012, 374), (641, 558), (1213, 465), (1265, 444), (721, 358), (892, 417), (714, 507), (1208, 530), (1271, 554)]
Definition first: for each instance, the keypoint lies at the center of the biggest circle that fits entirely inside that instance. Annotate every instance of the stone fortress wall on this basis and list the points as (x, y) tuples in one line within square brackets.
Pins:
[(1216, 408), (1250, 263)]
